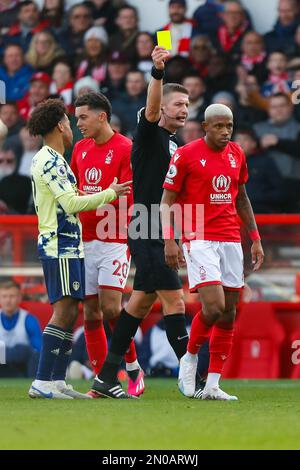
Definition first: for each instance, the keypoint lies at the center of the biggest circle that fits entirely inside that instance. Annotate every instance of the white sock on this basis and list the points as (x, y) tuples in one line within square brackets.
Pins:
[(212, 380), (191, 357), (132, 365)]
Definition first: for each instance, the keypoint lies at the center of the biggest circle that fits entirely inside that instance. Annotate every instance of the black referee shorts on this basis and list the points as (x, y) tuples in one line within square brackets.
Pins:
[(152, 272)]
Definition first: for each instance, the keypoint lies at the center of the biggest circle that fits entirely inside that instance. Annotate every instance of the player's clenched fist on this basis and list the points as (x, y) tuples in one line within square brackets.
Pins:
[(159, 56)]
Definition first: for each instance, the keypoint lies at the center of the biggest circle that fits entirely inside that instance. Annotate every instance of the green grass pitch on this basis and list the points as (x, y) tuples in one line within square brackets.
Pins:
[(265, 417)]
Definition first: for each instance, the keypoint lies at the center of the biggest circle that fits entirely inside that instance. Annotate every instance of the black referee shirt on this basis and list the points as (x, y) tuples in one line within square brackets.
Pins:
[(152, 150)]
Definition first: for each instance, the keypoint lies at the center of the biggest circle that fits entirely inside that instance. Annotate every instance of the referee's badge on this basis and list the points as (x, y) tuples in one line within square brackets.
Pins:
[(76, 285)]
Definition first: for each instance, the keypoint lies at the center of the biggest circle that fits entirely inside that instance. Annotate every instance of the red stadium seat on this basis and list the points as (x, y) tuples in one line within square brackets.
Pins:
[(258, 340), (44, 311)]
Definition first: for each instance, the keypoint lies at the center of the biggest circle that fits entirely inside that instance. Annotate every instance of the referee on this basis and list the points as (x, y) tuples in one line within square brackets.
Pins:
[(154, 143)]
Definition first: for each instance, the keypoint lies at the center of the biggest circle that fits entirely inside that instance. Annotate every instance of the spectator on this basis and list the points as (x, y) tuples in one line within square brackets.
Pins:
[(265, 184), (282, 36), (294, 50), (21, 333), (233, 29), (53, 12), (8, 13), (79, 21), (10, 116), (201, 51), (42, 52), (29, 23), (94, 62), (104, 14), (254, 56), (207, 18), (15, 73), (180, 28), (177, 68), (117, 68), (144, 47), (220, 74), (281, 125), (62, 82), (115, 123), (278, 79), (252, 106), (128, 105), (30, 145), (84, 85), (125, 39), (226, 98), (38, 91), (196, 88), (191, 131), (15, 190)]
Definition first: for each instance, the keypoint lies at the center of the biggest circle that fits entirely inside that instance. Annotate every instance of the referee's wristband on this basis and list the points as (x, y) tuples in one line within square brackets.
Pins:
[(157, 74), (254, 235)]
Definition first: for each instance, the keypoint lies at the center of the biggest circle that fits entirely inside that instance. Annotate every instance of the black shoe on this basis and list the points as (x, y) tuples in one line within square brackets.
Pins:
[(200, 384), (112, 390)]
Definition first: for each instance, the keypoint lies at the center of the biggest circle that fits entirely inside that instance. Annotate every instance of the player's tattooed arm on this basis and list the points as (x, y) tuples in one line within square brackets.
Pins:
[(245, 211)]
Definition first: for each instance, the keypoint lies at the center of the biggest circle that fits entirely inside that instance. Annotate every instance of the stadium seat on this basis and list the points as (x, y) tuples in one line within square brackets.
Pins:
[(258, 340), (43, 311)]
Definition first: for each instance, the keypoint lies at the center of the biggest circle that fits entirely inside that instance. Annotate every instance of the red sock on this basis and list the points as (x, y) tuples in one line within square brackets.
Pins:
[(220, 346), (200, 332), (130, 355), (96, 343)]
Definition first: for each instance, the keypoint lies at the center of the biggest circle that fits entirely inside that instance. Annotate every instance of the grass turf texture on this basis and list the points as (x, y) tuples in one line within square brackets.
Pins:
[(265, 417)]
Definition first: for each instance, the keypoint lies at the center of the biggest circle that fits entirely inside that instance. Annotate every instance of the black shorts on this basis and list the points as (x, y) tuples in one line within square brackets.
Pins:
[(152, 272)]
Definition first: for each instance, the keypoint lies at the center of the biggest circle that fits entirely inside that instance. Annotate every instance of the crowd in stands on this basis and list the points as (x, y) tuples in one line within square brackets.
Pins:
[(65, 48)]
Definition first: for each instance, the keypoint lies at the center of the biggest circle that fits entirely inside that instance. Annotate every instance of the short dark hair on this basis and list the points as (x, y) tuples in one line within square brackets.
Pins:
[(126, 6), (249, 131), (9, 284), (173, 88), (95, 101), (281, 95), (46, 116), (25, 3)]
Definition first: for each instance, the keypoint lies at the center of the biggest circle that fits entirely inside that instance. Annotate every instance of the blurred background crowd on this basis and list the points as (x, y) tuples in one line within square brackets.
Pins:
[(65, 48)]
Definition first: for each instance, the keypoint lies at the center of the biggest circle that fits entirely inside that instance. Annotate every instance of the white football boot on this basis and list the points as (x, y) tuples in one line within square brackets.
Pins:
[(68, 390), (187, 374), (45, 389), (215, 393)]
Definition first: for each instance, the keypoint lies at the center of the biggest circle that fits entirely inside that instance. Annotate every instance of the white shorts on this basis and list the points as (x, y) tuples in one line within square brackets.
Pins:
[(210, 262), (106, 266)]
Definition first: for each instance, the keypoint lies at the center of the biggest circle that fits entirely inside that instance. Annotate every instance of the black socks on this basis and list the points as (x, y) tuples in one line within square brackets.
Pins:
[(176, 333)]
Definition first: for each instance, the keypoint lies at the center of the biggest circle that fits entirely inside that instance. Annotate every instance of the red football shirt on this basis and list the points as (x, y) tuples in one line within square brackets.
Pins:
[(202, 176), (95, 167)]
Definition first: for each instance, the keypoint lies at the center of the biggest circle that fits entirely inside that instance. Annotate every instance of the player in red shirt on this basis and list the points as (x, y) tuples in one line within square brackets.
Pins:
[(206, 178), (97, 159)]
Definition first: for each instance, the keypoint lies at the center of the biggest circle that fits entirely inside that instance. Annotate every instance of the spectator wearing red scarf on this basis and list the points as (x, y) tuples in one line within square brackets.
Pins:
[(233, 29), (180, 27)]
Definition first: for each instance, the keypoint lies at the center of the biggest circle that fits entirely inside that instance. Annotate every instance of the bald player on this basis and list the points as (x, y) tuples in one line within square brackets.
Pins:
[(211, 173)]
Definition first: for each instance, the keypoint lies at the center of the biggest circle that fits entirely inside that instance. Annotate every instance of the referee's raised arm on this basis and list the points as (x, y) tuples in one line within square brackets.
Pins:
[(155, 88)]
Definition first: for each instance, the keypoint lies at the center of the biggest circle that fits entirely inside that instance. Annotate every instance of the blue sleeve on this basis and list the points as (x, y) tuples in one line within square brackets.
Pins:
[(34, 332)]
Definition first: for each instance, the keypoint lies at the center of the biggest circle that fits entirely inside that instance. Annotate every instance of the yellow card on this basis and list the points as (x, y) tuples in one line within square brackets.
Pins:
[(164, 39)]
